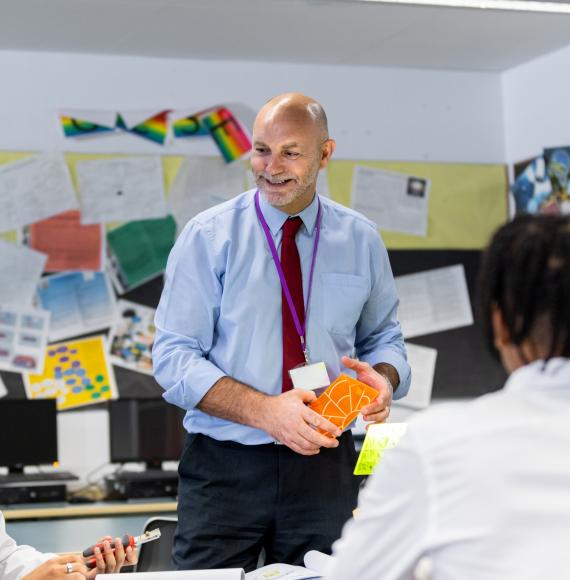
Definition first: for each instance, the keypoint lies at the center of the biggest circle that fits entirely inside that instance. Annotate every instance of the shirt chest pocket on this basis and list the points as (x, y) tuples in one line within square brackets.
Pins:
[(344, 296)]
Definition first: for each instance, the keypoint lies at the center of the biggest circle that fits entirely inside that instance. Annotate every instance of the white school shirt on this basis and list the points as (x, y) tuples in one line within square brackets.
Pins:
[(480, 488), (17, 561)]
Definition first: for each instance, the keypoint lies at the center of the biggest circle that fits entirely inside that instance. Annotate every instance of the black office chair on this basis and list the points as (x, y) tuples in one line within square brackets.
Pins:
[(156, 556)]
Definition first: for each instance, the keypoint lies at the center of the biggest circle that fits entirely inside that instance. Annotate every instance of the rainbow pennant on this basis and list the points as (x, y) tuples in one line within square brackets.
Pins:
[(154, 128), (228, 134), (73, 127), (189, 126)]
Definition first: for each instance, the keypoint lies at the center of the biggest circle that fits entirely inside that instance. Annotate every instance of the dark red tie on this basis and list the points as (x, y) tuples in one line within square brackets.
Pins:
[(292, 352)]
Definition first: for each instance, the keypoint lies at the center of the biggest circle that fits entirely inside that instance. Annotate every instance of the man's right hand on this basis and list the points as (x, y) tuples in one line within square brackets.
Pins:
[(58, 568), (289, 421)]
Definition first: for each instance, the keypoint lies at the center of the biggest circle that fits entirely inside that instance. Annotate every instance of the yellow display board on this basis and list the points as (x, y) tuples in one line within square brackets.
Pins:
[(466, 205), (467, 201)]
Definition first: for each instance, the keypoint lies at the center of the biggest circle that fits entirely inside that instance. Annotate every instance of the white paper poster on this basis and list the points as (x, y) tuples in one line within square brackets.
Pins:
[(125, 189), (201, 183), (433, 301), (394, 201), (422, 362), (34, 189), (20, 272)]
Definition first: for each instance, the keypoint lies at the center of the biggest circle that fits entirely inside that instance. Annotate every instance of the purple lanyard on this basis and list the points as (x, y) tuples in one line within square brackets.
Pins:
[(300, 329)]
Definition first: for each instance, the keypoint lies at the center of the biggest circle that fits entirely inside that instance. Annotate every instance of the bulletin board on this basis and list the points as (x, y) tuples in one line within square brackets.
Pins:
[(467, 203)]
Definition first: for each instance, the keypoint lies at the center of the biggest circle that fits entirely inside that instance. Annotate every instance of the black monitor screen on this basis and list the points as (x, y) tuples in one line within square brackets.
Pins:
[(28, 432), (147, 430)]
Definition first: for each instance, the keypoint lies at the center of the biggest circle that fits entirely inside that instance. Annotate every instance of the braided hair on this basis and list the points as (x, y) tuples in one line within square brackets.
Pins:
[(525, 273)]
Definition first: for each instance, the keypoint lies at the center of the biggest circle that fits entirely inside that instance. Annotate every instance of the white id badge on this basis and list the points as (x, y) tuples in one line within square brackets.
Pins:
[(310, 377)]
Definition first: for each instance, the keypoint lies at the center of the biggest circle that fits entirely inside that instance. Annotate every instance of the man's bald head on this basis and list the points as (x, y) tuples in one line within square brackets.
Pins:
[(297, 109)]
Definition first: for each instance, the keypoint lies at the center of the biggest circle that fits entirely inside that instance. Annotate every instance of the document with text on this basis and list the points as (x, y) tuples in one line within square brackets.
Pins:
[(433, 301)]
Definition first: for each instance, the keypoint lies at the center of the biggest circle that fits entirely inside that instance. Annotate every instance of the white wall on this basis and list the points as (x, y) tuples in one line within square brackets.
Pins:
[(537, 105), (374, 113)]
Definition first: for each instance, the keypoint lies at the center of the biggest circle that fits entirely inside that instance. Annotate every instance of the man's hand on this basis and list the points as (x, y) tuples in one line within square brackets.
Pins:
[(70, 567), (109, 561), (288, 420), (379, 410)]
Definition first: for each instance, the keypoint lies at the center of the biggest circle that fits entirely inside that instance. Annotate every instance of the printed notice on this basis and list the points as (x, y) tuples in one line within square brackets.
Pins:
[(396, 202), (433, 301)]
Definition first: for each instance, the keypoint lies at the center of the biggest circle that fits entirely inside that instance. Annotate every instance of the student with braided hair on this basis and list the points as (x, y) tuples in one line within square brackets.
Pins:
[(482, 488)]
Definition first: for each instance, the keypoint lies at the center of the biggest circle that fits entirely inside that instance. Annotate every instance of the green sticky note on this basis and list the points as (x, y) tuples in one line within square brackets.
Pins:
[(140, 249), (379, 438)]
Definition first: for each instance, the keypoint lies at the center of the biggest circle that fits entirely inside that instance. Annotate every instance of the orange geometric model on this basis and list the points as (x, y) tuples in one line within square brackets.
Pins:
[(342, 401)]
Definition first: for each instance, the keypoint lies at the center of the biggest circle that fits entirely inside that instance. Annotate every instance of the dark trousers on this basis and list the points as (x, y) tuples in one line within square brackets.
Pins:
[(234, 500)]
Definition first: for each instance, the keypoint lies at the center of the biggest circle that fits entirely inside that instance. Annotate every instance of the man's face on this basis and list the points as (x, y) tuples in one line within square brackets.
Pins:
[(285, 160)]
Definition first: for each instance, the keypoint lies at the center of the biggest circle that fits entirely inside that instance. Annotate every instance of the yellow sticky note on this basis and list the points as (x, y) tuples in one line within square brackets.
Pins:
[(379, 437)]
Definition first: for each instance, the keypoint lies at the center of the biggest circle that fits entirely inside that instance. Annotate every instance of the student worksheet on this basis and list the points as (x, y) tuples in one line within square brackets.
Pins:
[(201, 183), (20, 272), (33, 189), (123, 189), (433, 301)]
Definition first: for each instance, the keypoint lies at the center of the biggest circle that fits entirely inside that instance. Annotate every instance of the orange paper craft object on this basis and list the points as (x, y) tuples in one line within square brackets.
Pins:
[(343, 400)]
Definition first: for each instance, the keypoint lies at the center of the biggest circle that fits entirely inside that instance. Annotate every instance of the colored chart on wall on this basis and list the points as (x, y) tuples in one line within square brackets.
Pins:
[(76, 373)]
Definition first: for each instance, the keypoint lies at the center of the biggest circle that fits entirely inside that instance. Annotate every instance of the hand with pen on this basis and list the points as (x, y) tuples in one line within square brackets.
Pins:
[(107, 557)]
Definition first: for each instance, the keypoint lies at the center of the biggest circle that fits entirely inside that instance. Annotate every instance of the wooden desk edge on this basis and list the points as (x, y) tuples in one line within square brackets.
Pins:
[(74, 511)]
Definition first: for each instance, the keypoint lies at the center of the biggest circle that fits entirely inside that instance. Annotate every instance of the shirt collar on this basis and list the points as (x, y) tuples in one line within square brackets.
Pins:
[(553, 374), (275, 218)]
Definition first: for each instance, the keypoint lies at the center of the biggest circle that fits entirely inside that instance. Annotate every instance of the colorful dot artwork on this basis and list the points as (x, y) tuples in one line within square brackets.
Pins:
[(76, 373)]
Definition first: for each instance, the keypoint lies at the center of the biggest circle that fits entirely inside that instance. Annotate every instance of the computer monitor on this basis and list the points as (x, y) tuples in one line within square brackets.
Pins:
[(148, 430), (28, 432)]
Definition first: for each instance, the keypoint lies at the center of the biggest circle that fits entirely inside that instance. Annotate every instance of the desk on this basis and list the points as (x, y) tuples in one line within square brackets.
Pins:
[(73, 527)]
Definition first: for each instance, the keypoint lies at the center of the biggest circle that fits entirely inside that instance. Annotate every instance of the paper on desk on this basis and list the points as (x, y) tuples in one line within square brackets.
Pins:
[(33, 189), (20, 272), (68, 244), (225, 574), (316, 566), (422, 361), (79, 302), (395, 201), (123, 189), (23, 339), (201, 183), (433, 301)]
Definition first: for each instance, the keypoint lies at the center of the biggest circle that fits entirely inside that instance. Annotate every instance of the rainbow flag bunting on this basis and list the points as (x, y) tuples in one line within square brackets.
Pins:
[(189, 126), (229, 135), (73, 127), (154, 128)]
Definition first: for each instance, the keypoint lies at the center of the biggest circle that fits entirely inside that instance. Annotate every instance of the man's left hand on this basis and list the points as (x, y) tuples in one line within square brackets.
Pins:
[(379, 410)]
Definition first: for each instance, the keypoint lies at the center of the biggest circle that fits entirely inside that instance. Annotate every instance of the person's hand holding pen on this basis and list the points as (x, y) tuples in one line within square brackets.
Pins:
[(110, 559), (106, 559)]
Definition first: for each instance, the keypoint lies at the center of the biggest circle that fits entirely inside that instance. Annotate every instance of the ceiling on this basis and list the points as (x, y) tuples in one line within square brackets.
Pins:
[(296, 31)]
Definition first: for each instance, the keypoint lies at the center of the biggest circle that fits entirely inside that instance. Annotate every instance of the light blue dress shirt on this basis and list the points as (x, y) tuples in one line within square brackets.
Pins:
[(220, 310)]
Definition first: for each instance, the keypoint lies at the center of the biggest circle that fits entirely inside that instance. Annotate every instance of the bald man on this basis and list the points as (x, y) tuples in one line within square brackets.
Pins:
[(276, 278)]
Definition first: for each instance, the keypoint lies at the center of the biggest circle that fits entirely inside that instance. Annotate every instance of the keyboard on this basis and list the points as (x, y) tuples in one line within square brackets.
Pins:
[(37, 477), (147, 475)]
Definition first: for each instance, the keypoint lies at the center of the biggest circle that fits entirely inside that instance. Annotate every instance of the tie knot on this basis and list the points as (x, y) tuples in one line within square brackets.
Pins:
[(291, 227)]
